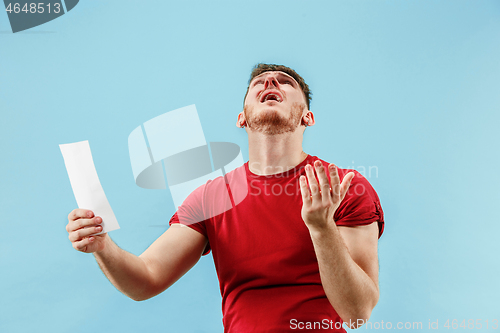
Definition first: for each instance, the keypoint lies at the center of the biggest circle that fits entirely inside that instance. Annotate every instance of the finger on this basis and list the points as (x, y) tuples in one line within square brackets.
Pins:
[(334, 180), (313, 183), (304, 189), (82, 223), (346, 182), (79, 234), (80, 213), (324, 184), (83, 245)]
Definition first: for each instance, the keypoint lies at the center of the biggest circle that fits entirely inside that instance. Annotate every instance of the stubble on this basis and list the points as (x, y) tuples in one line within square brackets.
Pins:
[(271, 122)]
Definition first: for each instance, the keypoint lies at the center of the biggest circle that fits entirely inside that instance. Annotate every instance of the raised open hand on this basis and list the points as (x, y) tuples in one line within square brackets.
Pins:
[(321, 200)]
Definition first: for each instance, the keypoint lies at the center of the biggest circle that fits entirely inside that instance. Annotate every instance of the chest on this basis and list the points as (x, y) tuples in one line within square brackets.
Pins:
[(263, 237)]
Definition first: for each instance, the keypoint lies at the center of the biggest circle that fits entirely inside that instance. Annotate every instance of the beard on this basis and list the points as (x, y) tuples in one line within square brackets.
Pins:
[(271, 122)]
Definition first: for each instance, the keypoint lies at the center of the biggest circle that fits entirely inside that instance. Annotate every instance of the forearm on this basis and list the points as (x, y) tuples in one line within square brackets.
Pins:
[(127, 272), (351, 292)]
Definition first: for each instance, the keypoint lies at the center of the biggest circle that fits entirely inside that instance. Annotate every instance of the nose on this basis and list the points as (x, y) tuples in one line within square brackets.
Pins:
[(270, 81)]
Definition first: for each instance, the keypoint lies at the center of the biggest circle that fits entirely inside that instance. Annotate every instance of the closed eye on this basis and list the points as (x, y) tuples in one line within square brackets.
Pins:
[(285, 80)]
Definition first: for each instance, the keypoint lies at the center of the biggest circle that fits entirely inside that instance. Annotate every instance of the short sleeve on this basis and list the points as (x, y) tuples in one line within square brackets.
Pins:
[(190, 213), (361, 205)]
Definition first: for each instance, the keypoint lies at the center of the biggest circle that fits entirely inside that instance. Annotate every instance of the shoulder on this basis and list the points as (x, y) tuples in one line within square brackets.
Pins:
[(211, 186), (214, 196)]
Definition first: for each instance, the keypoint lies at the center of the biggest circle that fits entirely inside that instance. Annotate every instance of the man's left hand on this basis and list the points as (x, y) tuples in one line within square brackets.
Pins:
[(320, 201)]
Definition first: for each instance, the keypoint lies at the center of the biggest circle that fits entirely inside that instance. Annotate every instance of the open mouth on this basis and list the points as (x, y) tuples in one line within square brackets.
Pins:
[(271, 96)]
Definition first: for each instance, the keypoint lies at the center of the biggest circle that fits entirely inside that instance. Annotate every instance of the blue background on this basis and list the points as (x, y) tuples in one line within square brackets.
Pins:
[(410, 88)]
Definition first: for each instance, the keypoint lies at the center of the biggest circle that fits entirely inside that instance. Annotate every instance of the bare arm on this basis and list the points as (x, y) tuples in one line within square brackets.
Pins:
[(138, 277), (348, 267)]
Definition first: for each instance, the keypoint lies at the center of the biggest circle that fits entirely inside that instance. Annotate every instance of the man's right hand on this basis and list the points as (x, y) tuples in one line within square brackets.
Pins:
[(82, 225), (138, 277)]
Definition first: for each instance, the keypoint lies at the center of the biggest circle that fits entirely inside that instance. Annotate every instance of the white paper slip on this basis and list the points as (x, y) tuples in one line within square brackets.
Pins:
[(85, 183)]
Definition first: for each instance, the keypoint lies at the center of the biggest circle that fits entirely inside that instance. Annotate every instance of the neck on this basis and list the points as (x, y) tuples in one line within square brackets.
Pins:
[(272, 154)]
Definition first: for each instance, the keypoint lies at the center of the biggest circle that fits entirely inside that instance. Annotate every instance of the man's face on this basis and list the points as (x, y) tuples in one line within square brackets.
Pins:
[(274, 104)]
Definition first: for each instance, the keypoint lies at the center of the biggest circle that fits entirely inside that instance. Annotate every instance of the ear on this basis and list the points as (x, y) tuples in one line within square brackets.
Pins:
[(241, 120), (308, 118)]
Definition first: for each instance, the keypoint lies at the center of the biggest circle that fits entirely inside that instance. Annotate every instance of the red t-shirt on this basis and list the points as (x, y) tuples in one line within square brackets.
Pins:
[(265, 261)]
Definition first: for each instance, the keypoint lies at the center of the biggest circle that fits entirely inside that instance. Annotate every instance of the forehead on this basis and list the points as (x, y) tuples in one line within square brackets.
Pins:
[(276, 73)]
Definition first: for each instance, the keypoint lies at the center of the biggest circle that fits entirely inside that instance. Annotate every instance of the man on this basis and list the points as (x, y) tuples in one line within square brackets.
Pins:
[(298, 252)]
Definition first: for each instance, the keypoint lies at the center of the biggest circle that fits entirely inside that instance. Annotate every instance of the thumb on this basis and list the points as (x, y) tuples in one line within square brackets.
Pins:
[(346, 182)]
